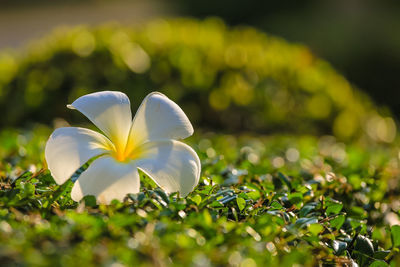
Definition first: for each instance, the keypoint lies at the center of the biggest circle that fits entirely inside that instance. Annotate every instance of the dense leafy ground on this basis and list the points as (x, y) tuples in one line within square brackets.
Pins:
[(261, 201)]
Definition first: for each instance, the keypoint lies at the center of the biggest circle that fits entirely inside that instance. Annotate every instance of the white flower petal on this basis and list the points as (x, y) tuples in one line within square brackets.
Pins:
[(173, 165), (69, 148), (107, 179), (110, 111), (157, 118)]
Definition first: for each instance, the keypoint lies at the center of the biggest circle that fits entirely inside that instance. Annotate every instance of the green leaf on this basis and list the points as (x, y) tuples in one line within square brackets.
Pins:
[(302, 222), (90, 201), (162, 194), (255, 195), (243, 195), (285, 180), (235, 214), (295, 198), (378, 263), (381, 255), (216, 204), (241, 203), (333, 208), (395, 231), (276, 205), (363, 250), (307, 209), (196, 199), (27, 189), (337, 222), (338, 246), (315, 228), (364, 245)]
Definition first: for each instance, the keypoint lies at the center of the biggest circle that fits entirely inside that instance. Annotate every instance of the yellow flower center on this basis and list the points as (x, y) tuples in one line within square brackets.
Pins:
[(121, 153)]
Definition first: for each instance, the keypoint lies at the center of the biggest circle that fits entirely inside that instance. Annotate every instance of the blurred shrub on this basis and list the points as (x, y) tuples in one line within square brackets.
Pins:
[(229, 79)]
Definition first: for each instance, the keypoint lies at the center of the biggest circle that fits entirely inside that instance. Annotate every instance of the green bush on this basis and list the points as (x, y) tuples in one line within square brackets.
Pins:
[(232, 79)]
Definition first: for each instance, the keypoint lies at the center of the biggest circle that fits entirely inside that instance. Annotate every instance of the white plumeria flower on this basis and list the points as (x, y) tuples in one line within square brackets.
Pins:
[(148, 142)]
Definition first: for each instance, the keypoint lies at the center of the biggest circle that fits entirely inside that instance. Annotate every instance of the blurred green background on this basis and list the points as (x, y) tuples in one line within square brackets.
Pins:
[(227, 76), (359, 37)]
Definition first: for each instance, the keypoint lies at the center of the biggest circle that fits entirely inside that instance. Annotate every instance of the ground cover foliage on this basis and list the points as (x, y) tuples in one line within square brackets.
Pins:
[(261, 201)]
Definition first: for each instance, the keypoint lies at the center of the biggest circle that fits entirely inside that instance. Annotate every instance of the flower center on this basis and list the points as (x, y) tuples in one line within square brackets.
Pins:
[(125, 155), (119, 154)]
